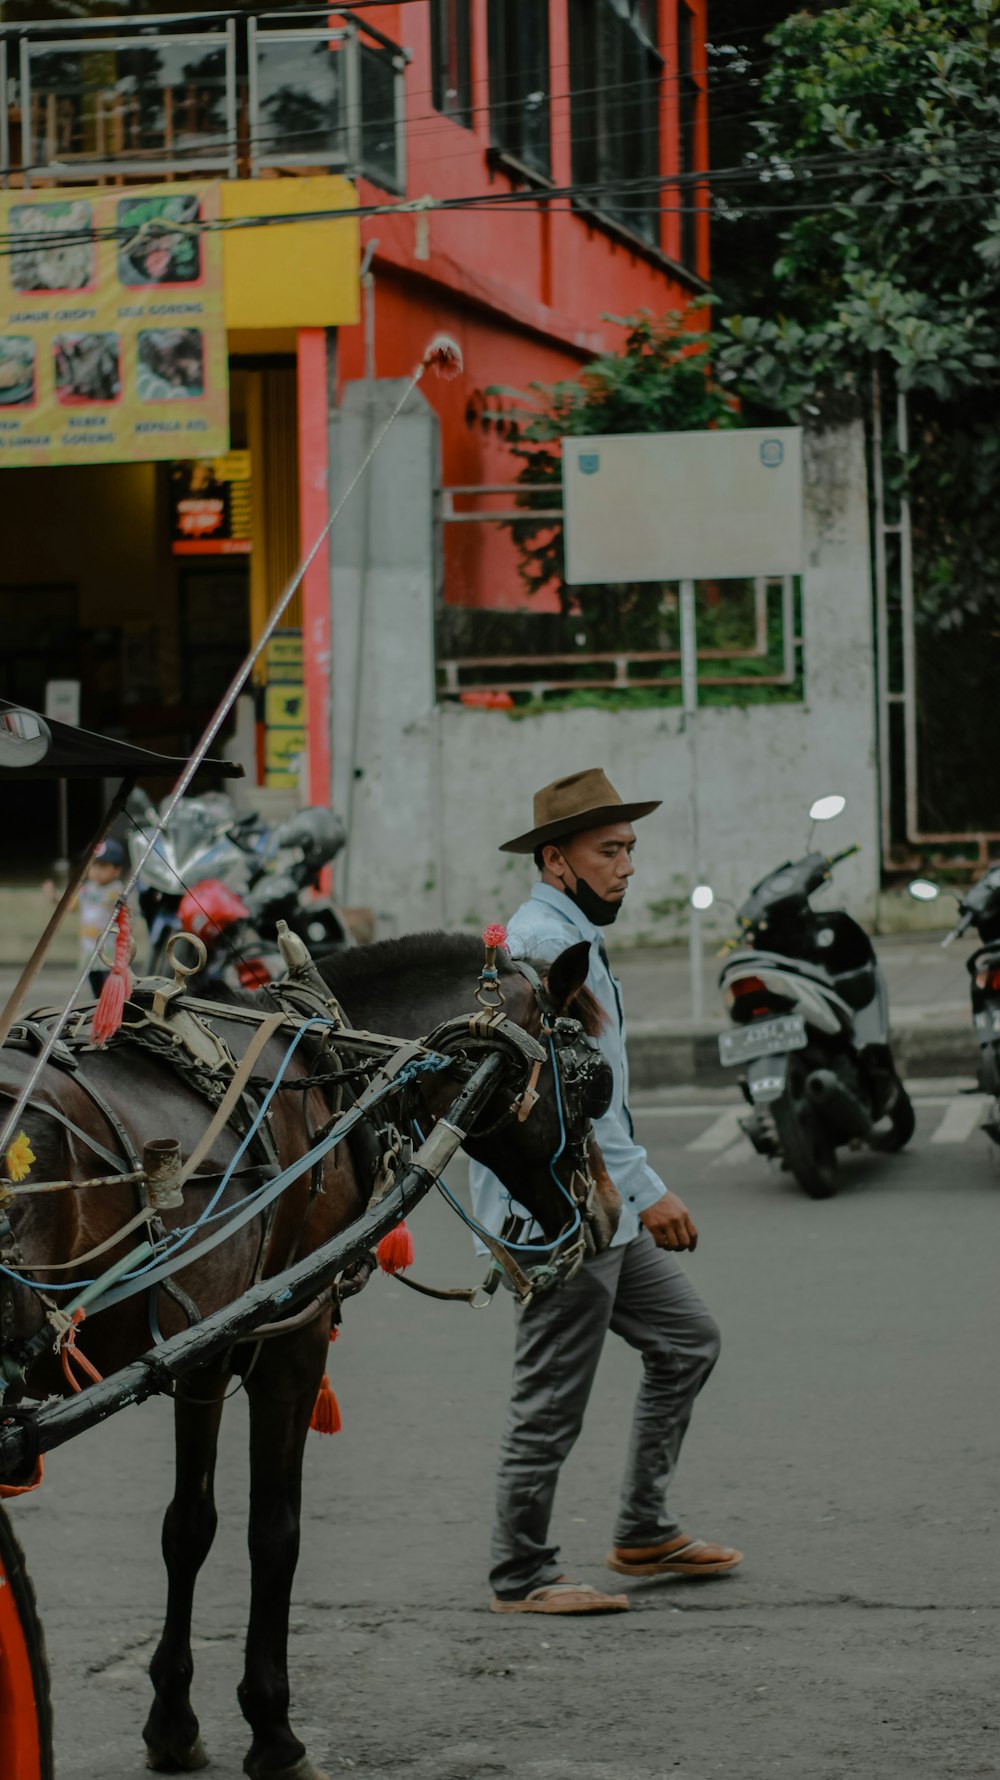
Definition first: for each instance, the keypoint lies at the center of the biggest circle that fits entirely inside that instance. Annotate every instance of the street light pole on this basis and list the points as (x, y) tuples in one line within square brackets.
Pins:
[(689, 702)]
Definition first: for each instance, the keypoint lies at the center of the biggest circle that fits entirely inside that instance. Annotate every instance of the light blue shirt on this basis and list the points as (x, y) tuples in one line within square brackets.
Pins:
[(539, 930)]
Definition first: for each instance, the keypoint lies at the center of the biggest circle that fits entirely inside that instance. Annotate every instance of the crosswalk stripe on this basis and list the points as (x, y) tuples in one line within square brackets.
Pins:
[(737, 1155), (961, 1118), (721, 1132)]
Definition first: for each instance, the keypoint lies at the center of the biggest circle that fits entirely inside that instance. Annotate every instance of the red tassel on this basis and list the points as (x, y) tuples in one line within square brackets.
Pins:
[(325, 1417), (395, 1251), (117, 985), (334, 1331)]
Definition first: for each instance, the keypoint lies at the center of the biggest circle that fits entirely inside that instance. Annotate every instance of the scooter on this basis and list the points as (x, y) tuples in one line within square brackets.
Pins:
[(979, 907), (230, 881), (810, 1025)]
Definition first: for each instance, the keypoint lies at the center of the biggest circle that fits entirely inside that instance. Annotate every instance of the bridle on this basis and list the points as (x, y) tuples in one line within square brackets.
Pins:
[(583, 1084)]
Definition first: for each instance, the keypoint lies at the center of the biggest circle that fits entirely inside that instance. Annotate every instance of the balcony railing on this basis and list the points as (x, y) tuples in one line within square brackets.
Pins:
[(96, 100)]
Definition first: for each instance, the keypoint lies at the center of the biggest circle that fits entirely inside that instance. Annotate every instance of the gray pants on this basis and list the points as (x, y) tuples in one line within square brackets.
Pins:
[(643, 1294)]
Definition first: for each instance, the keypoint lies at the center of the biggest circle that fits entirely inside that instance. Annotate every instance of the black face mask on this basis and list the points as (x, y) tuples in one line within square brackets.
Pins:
[(598, 909)]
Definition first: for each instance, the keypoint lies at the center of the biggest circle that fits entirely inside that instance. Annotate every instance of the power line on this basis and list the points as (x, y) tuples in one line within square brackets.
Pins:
[(502, 202)]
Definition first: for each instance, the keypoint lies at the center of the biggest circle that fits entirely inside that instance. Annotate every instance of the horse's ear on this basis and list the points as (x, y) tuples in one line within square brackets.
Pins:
[(567, 974)]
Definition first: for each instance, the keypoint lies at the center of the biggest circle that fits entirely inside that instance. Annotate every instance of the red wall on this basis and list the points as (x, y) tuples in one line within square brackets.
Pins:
[(524, 292)]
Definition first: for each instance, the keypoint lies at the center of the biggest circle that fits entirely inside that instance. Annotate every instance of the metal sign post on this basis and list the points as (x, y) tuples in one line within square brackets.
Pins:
[(687, 507), (689, 701)]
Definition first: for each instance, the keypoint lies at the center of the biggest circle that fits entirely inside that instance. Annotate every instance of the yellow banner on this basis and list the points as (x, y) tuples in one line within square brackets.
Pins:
[(112, 332)]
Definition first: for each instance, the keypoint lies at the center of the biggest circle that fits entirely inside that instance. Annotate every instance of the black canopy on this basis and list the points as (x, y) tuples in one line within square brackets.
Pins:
[(35, 747)]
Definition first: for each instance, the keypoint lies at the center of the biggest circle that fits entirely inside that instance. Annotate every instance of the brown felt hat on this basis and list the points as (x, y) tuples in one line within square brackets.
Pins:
[(568, 806)]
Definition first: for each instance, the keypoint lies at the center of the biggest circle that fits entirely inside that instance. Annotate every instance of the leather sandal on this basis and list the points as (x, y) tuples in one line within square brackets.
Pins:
[(680, 1556), (563, 1597)]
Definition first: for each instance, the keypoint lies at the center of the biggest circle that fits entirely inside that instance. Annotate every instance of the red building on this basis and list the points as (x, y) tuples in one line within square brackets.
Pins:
[(602, 101), (527, 97)]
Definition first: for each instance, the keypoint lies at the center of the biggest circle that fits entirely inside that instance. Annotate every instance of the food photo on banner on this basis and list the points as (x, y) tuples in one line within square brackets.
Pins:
[(112, 330)]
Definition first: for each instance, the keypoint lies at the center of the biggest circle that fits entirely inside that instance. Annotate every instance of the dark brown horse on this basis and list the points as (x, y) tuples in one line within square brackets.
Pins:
[(404, 987)]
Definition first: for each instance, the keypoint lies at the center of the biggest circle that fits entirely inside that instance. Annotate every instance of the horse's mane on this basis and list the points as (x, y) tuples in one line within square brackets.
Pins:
[(414, 955), (418, 957)]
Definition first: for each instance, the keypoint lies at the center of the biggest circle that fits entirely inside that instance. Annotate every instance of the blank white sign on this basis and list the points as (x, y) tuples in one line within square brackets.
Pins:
[(704, 506)]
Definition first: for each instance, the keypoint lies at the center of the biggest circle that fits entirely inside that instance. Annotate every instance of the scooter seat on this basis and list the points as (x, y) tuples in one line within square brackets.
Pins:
[(856, 987)]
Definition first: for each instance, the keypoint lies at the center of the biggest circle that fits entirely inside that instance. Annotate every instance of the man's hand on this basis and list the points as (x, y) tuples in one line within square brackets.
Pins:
[(670, 1224)]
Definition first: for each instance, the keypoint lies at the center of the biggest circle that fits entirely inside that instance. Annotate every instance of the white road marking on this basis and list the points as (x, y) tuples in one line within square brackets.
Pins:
[(737, 1155), (961, 1118), (720, 1133), (657, 1110)]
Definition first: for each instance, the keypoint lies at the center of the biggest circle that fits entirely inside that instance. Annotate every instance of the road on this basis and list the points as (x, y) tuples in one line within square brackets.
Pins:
[(847, 1443)]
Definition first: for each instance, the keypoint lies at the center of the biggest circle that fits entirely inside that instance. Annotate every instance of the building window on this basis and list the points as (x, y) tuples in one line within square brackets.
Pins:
[(451, 64), (615, 74), (688, 124), (519, 81)]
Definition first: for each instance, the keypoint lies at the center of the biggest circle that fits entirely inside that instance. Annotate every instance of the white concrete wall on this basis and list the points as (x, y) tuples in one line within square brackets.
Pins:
[(441, 786)]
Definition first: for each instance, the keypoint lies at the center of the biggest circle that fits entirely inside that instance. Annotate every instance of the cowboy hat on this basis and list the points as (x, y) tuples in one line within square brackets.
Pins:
[(567, 806)]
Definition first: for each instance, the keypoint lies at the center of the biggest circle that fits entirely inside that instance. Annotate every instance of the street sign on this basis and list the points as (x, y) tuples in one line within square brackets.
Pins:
[(701, 506)]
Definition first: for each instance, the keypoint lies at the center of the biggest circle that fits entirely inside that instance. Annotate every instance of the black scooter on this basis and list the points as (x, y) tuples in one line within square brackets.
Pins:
[(979, 907), (810, 1014)]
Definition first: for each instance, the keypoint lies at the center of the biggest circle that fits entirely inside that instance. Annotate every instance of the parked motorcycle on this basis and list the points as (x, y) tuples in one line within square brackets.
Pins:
[(231, 880), (979, 907), (810, 1015)]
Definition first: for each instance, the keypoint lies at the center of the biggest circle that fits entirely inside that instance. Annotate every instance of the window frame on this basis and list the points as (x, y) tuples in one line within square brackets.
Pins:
[(688, 100), (451, 49), (511, 56), (606, 152)]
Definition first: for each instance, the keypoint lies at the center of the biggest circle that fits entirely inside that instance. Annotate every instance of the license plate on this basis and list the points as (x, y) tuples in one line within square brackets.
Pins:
[(762, 1039)]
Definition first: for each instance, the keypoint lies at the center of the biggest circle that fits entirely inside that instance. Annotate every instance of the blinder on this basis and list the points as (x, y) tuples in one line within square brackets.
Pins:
[(586, 1075)]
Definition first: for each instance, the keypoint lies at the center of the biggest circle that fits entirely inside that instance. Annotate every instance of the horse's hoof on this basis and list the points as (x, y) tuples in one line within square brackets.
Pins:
[(165, 1760), (303, 1769)]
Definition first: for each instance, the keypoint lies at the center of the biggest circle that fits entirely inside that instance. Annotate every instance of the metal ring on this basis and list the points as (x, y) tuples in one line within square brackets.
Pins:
[(201, 954), (480, 1299), (109, 963)]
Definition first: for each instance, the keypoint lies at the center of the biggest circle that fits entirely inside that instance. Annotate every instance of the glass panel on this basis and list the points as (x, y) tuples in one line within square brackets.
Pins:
[(300, 99), (158, 97), (378, 117)]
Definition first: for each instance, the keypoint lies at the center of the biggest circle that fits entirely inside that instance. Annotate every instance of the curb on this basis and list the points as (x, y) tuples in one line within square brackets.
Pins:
[(680, 1054)]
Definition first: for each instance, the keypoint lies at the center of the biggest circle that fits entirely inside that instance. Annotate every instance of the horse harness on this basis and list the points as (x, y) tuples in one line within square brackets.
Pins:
[(584, 1083)]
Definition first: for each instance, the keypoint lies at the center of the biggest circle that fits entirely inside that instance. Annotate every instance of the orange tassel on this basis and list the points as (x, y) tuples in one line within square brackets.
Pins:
[(117, 985), (325, 1417), (395, 1251), (334, 1331)]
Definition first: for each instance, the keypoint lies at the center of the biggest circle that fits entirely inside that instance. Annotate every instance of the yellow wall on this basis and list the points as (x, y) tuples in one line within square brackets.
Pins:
[(302, 275)]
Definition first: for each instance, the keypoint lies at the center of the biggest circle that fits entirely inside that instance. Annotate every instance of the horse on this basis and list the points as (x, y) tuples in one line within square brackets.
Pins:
[(407, 987)]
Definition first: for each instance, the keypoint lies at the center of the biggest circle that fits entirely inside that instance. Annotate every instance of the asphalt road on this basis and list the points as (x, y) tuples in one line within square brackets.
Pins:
[(847, 1442)]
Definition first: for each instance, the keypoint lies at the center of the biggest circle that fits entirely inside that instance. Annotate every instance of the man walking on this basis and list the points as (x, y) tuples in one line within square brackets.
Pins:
[(582, 840)]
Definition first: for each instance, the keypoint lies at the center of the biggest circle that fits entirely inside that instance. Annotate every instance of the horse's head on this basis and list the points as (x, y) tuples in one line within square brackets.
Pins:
[(549, 1160)]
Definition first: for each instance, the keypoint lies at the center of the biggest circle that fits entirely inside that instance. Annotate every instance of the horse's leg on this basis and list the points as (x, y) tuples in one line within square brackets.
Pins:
[(171, 1731), (282, 1389)]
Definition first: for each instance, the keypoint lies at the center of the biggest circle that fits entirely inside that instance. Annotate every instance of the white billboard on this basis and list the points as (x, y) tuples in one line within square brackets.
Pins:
[(701, 506)]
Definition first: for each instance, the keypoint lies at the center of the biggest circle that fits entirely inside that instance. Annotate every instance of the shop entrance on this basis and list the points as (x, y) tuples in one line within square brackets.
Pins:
[(113, 576)]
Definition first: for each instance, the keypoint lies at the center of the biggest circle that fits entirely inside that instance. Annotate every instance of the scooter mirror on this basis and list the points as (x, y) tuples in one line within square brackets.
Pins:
[(825, 808), (922, 890), (702, 896)]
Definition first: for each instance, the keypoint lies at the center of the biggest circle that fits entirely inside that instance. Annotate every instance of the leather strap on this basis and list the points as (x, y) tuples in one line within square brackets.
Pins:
[(226, 1106)]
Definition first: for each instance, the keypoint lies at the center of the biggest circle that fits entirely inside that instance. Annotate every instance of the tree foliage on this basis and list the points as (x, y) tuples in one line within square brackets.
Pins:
[(879, 154)]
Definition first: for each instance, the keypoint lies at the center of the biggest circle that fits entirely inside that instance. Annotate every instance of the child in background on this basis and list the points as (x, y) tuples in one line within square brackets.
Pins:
[(95, 903)]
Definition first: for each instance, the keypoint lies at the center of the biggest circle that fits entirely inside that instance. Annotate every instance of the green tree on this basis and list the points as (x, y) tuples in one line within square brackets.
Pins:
[(878, 157)]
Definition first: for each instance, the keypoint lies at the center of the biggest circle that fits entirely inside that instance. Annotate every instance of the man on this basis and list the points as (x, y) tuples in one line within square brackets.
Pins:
[(582, 841)]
